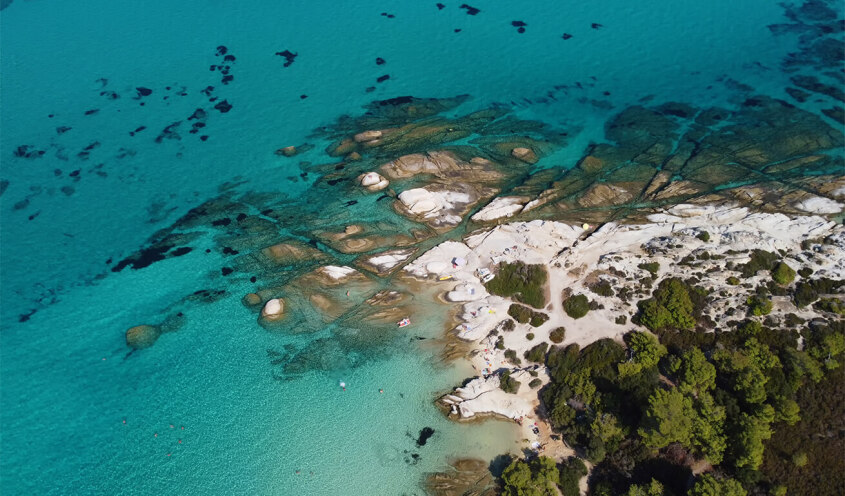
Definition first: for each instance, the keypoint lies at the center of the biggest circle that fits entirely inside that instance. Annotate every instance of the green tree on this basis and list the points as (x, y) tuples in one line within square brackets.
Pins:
[(668, 419), (571, 472), (562, 415), (742, 374), (747, 444), (707, 485), (787, 410), (708, 429), (653, 488), (646, 352), (606, 427), (535, 478), (783, 274), (759, 305), (669, 306), (695, 374)]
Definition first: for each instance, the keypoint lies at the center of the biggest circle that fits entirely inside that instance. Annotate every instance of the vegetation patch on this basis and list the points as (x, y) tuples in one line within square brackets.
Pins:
[(783, 274), (508, 383), (674, 304), (521, 282), (576, 306), (602, 288), (651, 267), (760, 260), (525, 315), (557, 335), (537, 353)]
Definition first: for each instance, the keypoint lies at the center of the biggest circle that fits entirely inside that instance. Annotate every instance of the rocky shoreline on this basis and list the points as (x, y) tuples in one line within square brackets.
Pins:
[(706, 244)]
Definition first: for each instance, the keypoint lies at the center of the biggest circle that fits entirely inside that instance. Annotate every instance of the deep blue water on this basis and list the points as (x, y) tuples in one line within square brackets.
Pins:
[(66, 384)]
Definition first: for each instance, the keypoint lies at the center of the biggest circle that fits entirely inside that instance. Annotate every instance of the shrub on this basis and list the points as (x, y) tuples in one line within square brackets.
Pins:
[(805, 272), (525, 315), (520, 313), (535, 383), (571, 472), (508, 325), (508, 383), (650, 267), (538, 319), (529, 336), (733, 281), (500, 343), (759, 305), (669, 306), (522, 282), (602, 288), (831, 305), (557, 335), (576, 306), (536, 477), (704, 236), (511, 356), (800, 459), (760, 260), (537, 354), (621, 320), (783, 274)]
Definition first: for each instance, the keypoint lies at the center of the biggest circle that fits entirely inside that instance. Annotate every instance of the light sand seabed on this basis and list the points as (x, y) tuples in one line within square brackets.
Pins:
[(575, 257)]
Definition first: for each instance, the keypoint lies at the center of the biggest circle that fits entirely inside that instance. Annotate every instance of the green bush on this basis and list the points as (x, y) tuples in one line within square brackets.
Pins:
[(602, 288), (733, 281), (508, 325), (783, 274), (576, 306), (535, 383), (760, 260), (621, 320), (537, 353), (651, 267), (571, 472), (511, 356), (557, 335), (831, 305), (805, 272), (508, 383), (537, 477), (525, 315), (670, 306), (799, 459), (522, 282), (529, 336), (500, 343), (759, 305), (704, 236)]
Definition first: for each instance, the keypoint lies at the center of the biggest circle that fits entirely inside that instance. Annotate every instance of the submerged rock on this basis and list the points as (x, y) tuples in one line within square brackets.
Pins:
[(142, 336), (525, 154)]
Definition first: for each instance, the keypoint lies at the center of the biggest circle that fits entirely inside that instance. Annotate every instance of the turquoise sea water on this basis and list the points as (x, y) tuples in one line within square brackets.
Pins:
[(67, 384)]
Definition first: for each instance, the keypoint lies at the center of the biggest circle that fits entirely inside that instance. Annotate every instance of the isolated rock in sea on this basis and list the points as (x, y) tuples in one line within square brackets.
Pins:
[(273, 309), (525, 154), (142, 336), (367, 136), (420, 201), (288, 151), (373, 181), (251, 300)]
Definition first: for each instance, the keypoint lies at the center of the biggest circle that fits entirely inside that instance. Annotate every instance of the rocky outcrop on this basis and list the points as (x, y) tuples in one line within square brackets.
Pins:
[(500, 208), (385, 262), (819, 205), (373, 181), (482, 396), (527, 155), (274, 309)]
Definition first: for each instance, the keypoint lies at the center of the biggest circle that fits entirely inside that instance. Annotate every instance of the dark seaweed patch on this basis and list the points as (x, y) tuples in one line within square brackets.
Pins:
[(382, 79), (566, 36), (470, 10), (63, 129), (289, 57), (379, 61), (226, 271), (223, 106), (92, 111)]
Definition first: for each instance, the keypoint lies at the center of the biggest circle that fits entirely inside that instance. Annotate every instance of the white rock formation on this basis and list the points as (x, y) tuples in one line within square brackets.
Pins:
[(819, 205), (368, 136), (273, 309), (373, 181), (499, 208), (484, 396)]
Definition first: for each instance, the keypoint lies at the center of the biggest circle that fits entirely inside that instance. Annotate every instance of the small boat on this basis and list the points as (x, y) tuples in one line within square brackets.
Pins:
[(404, 322)]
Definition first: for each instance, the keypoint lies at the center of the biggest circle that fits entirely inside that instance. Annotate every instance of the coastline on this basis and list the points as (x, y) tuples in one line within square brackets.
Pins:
[(577, 258)]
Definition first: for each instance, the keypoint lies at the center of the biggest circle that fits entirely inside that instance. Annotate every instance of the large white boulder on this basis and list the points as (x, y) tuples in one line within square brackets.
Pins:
[(273, 309)]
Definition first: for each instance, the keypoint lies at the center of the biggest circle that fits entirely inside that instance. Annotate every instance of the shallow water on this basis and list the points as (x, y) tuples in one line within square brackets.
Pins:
[(67, 382)]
